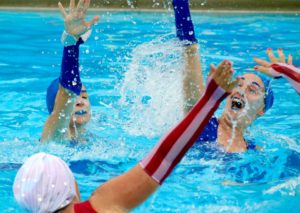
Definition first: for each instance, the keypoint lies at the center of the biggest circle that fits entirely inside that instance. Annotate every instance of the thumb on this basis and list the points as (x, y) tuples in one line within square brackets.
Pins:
[(92, 22)]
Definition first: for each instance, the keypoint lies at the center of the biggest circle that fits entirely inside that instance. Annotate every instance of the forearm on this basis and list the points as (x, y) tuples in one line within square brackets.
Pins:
[(289, 72), (70, 76), (125, 192), (57, 125), (193, 84)]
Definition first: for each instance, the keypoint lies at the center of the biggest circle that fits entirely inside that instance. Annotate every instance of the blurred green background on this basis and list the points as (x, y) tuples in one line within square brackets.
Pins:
[(163, 4)]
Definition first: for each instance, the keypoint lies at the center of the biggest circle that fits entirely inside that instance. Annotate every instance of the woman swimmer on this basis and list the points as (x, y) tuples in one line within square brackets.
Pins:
[(67, 99), (251, 98), (45, 183)]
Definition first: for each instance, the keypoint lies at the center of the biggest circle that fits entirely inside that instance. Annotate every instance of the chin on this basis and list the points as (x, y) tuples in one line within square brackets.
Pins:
[(82, 120)]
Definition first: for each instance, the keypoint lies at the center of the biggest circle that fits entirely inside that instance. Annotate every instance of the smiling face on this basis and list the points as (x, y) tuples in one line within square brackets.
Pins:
[(246, 101), (82, 112)]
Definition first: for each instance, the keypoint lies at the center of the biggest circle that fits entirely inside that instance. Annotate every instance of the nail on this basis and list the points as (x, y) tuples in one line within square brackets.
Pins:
[(227, 62), (255, 67)]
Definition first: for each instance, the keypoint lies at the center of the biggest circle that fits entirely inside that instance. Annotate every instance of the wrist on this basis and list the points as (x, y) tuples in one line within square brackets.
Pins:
[(68, 39)]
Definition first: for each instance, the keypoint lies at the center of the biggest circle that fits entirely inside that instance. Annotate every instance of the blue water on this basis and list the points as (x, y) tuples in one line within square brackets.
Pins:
[(132, 70)]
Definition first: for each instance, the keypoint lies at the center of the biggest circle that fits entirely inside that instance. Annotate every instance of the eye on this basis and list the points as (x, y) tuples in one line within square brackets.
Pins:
[(84, 97), (253, 91), (240, 81)]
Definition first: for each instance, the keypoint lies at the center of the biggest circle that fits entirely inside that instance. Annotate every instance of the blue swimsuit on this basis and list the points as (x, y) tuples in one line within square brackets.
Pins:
[(210, 133)]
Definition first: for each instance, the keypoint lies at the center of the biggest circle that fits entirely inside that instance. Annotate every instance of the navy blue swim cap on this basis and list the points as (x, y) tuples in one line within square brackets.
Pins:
[(51, 94), (269, 95)]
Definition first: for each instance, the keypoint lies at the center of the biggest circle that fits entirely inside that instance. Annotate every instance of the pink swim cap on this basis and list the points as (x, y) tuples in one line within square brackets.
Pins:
[(44, 183)]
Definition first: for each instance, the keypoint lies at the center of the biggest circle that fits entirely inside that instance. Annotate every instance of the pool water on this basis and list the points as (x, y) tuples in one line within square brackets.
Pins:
[(131, 67)]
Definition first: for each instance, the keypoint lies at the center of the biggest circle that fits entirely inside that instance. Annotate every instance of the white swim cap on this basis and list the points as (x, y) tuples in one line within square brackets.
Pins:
[(44, 184)]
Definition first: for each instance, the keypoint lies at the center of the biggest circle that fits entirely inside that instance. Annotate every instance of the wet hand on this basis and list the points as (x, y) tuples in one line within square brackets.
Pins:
[(264, 66), (75, 23), (222, 74)]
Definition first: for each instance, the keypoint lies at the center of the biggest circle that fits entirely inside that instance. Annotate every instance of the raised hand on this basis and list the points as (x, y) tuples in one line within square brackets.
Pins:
[(75, 23), (222, 74), (264, 66), (280, 68)]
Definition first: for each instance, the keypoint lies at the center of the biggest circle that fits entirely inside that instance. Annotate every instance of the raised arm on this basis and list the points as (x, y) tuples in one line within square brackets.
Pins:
[(68, 84), (193, 84), (132, 188), (278, 68)]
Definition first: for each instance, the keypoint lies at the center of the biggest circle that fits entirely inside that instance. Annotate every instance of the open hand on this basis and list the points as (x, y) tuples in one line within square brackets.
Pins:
[(264, 66), (222, 74), (75, 23)]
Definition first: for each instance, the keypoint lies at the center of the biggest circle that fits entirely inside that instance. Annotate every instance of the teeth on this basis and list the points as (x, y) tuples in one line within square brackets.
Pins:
[(237, 103), (81, 112)]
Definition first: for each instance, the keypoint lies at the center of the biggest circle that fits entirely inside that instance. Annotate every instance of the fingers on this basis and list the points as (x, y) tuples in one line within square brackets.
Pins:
[(281, 55), (80, 6), (218, 73), (223, 75), (86, 5), (263, 69), (72, 5), (92, 22), (290, 59), (271, 56), (262, 62), (62, 10)]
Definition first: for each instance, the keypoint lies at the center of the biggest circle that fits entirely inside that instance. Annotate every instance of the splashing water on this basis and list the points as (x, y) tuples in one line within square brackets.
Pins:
[(151, 88)]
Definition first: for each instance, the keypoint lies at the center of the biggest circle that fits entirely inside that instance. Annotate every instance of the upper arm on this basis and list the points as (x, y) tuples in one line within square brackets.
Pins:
[(193, 84), (57, 124), (124, 192)]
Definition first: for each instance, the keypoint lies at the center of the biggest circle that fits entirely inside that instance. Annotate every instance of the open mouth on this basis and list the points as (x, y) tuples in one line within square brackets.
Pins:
[(237, 103), (81, 112)]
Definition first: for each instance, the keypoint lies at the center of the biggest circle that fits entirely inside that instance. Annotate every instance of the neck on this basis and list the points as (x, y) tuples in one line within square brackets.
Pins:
[(231, 136)]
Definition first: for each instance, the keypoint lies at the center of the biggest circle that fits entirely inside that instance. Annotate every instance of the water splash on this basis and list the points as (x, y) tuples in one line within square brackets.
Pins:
[(290, 188), (151, 89)]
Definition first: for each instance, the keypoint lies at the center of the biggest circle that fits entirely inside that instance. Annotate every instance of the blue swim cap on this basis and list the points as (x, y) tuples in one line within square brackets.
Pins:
[(51, 94), (269, 95)]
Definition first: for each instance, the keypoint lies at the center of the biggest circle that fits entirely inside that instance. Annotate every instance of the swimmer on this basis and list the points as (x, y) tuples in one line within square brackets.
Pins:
[(67, 98), (45, 183), (249, 100)]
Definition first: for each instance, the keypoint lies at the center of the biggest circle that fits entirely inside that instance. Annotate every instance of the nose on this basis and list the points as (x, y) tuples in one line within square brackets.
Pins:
[(79, 102)]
